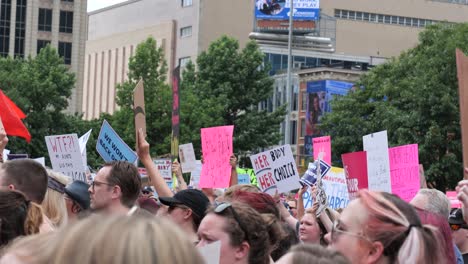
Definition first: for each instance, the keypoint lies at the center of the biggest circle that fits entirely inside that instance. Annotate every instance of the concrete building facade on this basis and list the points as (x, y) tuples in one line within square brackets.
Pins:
[(26, 26)]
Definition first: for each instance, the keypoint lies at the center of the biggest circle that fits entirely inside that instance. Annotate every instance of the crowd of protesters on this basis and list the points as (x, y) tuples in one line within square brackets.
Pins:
[(113, 218)]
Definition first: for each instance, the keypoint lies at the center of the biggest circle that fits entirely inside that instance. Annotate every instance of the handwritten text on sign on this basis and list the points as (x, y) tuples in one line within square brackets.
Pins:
[(217, 149), (378, 164), (404, 170), (355, 169), (65, 155), (111, 147), (276, 169), (322, 145), (165, 168)]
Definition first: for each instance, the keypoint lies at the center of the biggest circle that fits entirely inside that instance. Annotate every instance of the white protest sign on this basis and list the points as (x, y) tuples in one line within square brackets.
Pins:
[(83, 140), (336, 188), (65, 155), (164, 166), (211, 252), (187, 158), (378, 162), (195, 175), (276, 170), (41, 161), (5, 154)]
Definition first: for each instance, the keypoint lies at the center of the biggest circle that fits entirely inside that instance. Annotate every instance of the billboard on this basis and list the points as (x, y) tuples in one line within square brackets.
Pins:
[(279, 9)]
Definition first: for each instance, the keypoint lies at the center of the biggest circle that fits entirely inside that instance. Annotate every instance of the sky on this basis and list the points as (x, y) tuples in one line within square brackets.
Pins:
[(98, 4)]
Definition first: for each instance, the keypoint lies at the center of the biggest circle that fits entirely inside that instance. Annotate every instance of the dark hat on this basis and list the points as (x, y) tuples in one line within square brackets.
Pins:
[(78, 192), (192, 198), (456, 217)]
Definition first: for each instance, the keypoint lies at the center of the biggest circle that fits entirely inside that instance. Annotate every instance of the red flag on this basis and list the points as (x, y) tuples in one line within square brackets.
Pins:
[(11, 116)]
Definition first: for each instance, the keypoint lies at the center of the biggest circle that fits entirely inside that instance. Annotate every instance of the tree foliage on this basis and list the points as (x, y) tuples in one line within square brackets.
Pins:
[(225, 88), (415, 98)]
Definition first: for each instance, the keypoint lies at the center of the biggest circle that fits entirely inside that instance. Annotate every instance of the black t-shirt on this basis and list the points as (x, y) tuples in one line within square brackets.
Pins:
[(465, 257)]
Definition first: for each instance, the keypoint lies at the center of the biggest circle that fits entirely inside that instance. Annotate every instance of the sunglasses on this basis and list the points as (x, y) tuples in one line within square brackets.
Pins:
[(337, 230), (224, 206), (456, 227)]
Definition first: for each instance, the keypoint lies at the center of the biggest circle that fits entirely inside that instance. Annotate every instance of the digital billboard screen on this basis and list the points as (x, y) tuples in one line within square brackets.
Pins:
[(279, 9)]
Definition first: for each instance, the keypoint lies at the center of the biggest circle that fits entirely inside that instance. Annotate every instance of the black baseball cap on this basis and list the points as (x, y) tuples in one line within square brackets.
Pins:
[(456, 217), (192, 198), (78, 192)]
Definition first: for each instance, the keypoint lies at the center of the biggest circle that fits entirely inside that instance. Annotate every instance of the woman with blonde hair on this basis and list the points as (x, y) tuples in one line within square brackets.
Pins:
[(110, 239), (54, 206)]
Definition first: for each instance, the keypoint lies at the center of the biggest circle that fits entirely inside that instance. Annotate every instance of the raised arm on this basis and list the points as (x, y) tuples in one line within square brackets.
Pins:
[(234, 177), (178, 172)]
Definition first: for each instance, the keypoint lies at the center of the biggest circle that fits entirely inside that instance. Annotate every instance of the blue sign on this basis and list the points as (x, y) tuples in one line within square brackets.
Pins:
[(331, 86), (243, 178), (310, 176), (279, 9), (111, 147)]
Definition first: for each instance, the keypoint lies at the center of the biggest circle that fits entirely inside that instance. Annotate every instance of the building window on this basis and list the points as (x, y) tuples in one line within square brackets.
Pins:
[(41, 44), (183, 61), (65, 51), (20, 29), (293, 132), (66, 22), (5, 18), (45, 20), (186, 3), (71, 1), (186, 32), (303, 127)]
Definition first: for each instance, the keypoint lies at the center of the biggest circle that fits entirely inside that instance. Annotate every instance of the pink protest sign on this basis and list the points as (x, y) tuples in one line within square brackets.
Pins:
[(454, 202), (322, 144), (217, 149), (404, 171), (355, 169)]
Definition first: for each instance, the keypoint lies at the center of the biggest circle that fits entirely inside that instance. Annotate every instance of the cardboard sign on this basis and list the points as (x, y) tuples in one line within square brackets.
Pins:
[(139, 108), (164, 166), (211, 252), (355, 169), (217, 149), (65, 155), (83, 140), (41, 161), (378, 164), (335, 187), (276, 170), (454, 202), (322, 145), (195, 175), (187, 158), (310, 176), (404, 171), (111, 147)]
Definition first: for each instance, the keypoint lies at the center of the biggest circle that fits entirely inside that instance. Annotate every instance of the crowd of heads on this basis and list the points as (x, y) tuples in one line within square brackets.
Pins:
[(45, 217)]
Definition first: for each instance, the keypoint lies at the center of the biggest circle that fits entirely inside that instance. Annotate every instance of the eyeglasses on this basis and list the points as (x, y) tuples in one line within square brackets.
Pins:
[(337, 229), (222, 207), (456, 227), (94, 183)]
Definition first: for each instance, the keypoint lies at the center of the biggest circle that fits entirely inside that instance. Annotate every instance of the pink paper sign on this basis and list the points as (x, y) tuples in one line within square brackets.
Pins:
[(454, 202), (322, 144), (404, 171), (217, 149), (355, 169)]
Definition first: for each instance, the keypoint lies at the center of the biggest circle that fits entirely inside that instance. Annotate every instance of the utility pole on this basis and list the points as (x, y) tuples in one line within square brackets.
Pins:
[(289, 90)]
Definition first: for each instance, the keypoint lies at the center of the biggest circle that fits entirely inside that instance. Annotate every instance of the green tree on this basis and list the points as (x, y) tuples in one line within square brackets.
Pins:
[(148, 64), (415, 98), (225, 88)]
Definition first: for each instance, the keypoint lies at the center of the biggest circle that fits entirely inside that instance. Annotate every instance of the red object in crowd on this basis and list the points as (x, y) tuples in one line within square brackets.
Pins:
[(11, 116)]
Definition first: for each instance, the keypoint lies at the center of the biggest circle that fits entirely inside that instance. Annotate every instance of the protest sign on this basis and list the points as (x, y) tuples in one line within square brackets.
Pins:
[(165, 168), (276, 170), (83, 140), (195, 175), (378, 164), (243, 178), (111, 147), (211, 252), (65, 155), (250, 173), (404, 171), (322, 145), (41, 161), (217, 150), (139, 109), (454, 202), (335, 187), (310, 176), (462, 74), (355, 169), (187, 158), (307, 199), (5, 154)]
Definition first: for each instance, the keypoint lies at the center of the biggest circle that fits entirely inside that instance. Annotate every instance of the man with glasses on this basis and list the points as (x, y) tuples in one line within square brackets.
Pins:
[(76, 199), (115, 188), (187, 208), (459, 232)]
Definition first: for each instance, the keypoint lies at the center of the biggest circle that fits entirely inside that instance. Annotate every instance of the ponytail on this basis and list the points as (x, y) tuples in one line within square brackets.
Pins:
[(34, 219), (422, 245), (276, 232)]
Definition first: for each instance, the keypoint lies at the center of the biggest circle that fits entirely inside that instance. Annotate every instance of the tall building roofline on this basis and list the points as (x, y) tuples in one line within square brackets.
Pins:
[(112, 7)]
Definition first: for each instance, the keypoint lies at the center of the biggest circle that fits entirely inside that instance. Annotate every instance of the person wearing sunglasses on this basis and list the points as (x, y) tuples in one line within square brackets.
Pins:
[(379, 227), (115, 188), (241, 230), (459, 231)]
